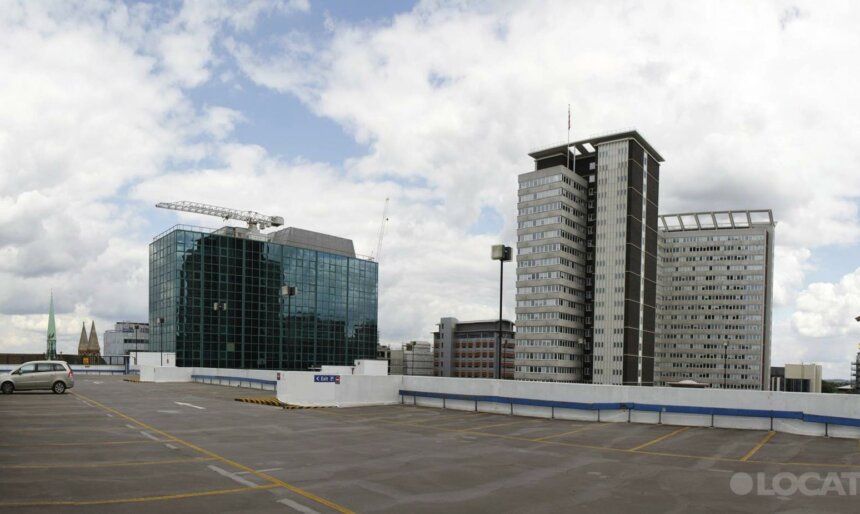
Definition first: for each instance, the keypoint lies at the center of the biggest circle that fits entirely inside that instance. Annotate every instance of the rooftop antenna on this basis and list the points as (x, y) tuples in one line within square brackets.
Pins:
[(255, 220)]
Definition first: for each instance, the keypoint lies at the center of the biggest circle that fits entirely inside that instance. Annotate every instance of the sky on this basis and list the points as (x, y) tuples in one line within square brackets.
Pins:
[(319, 111)]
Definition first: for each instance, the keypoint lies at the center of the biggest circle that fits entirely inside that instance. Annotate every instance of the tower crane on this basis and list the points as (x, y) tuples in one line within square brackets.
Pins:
[(381, 231), (255, 220)]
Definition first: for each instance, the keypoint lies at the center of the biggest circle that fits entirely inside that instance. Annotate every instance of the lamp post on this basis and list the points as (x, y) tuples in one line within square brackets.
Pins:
[(725, 365), (289, 292), (220, 307), (502, 254), (160, 322)]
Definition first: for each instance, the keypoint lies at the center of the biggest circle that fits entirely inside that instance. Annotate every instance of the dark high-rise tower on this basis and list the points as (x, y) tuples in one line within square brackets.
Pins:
[(587, 262)]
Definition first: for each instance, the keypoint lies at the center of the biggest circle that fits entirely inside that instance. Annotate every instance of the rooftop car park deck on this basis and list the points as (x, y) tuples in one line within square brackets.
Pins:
[(115, 446)]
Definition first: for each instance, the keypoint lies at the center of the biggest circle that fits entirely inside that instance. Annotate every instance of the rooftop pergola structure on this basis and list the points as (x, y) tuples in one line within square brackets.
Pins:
[(715, 220)]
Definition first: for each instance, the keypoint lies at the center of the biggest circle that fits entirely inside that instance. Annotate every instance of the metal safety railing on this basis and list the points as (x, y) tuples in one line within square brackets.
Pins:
[(632, 406), (252, 383)]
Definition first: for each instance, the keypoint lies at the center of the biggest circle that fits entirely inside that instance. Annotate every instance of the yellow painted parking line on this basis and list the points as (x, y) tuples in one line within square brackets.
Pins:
[(657, 440), (108, 464), (759, 446), (94, 443), (454, 419), (140, 499), (569, 432), (607, 448), (269, 478), (499, 425)]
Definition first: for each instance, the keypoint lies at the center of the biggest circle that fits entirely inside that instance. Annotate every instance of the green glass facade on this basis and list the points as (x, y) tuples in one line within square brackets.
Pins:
[(216, 301)]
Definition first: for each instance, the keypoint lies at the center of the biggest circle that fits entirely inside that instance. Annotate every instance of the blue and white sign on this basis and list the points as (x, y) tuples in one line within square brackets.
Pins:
[(327, 379)]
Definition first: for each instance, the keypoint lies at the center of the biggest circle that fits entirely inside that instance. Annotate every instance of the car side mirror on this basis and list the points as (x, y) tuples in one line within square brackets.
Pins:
[(16, 372)]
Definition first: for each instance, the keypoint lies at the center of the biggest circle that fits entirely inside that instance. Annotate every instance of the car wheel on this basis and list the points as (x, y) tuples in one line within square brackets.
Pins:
[(7, 387), (59, 387)]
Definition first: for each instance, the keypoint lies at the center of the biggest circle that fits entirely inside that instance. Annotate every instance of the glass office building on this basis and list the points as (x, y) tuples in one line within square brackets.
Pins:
[(218, 300)]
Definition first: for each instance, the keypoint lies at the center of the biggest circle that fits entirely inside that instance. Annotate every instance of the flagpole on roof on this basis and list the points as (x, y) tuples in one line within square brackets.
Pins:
[(568, 141)]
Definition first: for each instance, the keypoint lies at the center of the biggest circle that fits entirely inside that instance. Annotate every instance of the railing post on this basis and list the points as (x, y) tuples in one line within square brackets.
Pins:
[(598, 415)]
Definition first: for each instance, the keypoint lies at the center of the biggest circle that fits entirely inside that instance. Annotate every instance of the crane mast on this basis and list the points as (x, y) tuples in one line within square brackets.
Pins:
[(381, 231), (255, 220)]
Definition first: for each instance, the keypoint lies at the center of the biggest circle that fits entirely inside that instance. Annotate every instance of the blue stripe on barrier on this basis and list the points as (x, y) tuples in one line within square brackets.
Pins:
[(675, 409), (242, 379)]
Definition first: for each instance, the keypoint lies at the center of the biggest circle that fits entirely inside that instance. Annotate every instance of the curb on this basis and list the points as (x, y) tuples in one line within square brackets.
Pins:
[(261, 401)]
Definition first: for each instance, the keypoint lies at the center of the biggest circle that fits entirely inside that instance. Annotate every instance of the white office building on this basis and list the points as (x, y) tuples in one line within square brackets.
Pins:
[(714, 298)]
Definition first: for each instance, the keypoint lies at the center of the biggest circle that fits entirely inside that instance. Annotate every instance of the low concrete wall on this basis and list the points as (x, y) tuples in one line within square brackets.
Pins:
[(80, 369), (301, 388), (160, 374), (652, 404), (98, 369), (249, 378), (262, 379)]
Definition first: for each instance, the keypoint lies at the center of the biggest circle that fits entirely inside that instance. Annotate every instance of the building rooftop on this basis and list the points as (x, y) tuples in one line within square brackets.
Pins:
[(215, 454), (289, 236), (715, 220), (587, 146)]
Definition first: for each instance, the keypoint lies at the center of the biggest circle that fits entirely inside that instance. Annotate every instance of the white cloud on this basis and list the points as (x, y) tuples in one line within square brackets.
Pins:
[(828, 309)]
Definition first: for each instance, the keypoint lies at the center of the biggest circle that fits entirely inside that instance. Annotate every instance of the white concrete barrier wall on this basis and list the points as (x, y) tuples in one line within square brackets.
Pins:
[(98, 369), (220, 376), (300, 388), (845, 406)]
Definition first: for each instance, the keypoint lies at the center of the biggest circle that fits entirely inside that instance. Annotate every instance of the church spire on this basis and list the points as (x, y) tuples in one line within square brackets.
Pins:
[(93, 343), (51, 352), (82, 343)]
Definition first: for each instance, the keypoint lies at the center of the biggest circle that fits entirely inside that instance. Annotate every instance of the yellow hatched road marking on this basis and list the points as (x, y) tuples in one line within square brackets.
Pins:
[(140, 499), (301, 492), (109, 464), (657, 440), (759, 446)]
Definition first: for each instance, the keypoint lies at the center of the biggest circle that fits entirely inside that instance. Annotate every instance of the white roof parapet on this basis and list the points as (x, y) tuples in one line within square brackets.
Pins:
[(715, 220)]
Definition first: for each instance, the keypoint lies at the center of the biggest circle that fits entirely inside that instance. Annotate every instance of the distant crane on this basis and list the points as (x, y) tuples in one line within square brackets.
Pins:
[(255, 220), (381, 232)]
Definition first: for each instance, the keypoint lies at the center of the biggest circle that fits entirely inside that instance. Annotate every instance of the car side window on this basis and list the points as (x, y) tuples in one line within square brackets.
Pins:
[(29, 368), (59, 367), (45, 366)]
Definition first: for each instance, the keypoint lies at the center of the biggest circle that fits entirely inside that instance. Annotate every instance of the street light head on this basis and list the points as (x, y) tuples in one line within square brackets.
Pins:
[(501, 253)]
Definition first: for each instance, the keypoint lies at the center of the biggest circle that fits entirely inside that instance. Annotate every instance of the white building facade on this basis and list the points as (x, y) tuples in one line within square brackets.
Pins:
[(715, 294)]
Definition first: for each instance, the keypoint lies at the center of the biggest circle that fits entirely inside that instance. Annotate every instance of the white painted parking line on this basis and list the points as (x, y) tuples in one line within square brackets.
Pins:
[(131, 426), (232, 476), (168, 411), (147, 434), (110, 415), (171, 446), (190, 405), (259, 471), (298, 507)]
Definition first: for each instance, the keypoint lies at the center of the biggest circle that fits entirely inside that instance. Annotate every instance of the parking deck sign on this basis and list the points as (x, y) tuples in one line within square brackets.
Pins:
[(328, 379)]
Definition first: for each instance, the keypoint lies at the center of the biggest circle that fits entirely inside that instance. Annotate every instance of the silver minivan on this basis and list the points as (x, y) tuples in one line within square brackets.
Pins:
[(55, 376)]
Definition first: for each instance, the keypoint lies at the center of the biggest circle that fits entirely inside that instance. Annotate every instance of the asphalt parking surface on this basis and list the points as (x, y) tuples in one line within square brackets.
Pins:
[(115, 446)]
